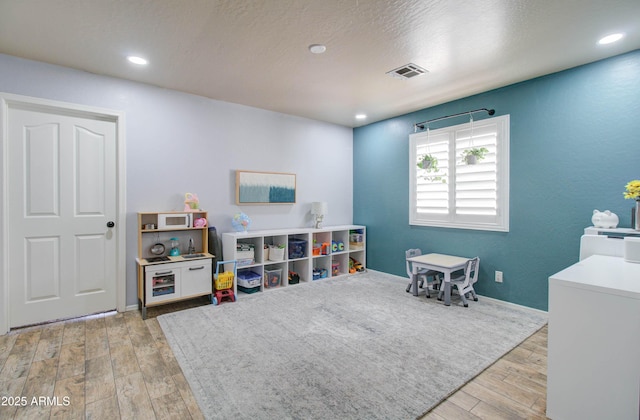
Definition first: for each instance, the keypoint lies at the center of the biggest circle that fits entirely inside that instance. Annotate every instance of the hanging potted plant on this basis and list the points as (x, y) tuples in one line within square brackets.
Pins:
[(473, 155), (429, 163)]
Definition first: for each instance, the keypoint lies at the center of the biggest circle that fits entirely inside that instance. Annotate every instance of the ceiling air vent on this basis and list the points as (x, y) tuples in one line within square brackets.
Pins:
[(407, 71)]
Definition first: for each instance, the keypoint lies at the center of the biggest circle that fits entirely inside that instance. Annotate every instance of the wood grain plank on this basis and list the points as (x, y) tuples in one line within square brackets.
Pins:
[(123, 359), (515, 393), (74, 332), (156, 378), (464, 400), (117, 331), (133, 399), (187, 396), (70, 401), (99, 381), (170, 407), (96, 344), (6, 344), (450, 411), (71, 360), (498, 400), (105, 409)]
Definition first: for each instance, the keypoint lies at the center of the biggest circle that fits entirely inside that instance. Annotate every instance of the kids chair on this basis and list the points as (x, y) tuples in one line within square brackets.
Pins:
[(423, 274), (465, 282)]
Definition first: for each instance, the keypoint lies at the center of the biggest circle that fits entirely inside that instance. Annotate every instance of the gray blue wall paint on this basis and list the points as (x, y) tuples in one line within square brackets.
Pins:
[(575, 143)]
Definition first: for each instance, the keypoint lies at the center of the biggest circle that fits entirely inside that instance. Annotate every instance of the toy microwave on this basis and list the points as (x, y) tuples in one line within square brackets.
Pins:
[(174, 220)]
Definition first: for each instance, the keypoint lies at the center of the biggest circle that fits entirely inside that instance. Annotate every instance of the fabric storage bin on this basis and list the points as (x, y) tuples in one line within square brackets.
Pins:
[(272, 277), (248, 279), (276, 253), (297, 248)]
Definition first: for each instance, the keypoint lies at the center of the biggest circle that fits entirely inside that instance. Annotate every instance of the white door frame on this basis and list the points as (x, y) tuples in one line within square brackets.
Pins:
[(6, 100)]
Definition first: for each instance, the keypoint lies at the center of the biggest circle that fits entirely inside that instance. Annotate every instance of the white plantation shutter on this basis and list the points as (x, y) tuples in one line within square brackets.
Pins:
[(433, 187), (471, 196)]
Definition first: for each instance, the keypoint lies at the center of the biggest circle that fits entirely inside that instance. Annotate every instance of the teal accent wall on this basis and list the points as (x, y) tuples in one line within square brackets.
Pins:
[(575, 143)]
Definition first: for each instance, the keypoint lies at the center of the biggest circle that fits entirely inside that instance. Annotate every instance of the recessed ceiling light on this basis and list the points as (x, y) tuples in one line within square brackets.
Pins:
[(317, 48), (137, 60), (361, 117), (610, 38)]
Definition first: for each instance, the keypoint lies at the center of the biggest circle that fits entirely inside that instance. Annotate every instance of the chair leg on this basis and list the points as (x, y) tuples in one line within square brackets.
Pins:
[(475, 297), (463, 297)]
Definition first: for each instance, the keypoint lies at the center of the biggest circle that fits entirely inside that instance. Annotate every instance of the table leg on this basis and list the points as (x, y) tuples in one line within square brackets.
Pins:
[(447, 288), (414, 280)]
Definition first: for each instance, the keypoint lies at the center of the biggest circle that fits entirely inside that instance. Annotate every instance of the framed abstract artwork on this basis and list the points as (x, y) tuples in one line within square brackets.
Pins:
[(265, 188)]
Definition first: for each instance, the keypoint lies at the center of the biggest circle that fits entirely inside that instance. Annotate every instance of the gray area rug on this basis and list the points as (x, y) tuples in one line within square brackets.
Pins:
[(345, 348)]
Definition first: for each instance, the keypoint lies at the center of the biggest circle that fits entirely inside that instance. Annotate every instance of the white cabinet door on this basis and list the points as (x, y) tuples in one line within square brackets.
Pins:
[(162, 282), (196, 278)]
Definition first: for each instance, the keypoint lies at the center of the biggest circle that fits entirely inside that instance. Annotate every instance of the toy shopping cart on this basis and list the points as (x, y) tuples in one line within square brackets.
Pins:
[(223, 282)]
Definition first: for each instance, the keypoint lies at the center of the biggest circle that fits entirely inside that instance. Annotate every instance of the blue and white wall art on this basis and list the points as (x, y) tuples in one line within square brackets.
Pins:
[(265, 188)]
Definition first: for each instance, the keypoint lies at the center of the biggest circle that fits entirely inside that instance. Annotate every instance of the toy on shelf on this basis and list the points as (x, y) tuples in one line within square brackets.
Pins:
[(223, 283), (294, 278), (175, 247), (200, 222), (337, 246), (191, 202), (241, 222), (335, 268), (355, 266)]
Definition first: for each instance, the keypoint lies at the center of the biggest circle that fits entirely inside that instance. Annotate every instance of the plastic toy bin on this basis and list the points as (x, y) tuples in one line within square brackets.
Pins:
[(248, 279), (297, 248), (272, 277)]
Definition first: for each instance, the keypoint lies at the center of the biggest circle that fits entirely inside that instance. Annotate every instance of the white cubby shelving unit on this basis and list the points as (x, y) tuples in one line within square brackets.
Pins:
[(292, 250)]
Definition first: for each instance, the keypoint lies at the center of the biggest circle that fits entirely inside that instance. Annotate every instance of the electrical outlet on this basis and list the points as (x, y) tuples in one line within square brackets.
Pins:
[(498, 276)]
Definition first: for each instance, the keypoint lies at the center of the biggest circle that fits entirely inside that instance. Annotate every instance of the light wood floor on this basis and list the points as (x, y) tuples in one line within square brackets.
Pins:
[(114, 366)]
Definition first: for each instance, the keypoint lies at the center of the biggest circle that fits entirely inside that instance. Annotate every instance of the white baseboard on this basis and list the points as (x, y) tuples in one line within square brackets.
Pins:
[(504, 302)]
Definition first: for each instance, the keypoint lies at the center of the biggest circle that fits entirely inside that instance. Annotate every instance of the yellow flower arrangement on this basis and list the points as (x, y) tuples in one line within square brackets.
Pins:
[(633, 190)]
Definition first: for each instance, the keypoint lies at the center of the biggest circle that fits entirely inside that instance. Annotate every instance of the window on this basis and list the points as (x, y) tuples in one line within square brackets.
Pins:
[(446, 191)]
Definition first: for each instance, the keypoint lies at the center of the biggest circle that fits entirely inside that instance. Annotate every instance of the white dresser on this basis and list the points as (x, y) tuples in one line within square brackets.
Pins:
[(594, 340)]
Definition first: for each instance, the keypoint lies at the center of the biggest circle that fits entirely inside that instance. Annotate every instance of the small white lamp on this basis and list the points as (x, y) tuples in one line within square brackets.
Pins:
[(319, 209)]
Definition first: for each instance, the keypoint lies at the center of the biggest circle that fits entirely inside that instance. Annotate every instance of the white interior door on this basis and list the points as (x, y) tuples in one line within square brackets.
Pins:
[(62, 196)]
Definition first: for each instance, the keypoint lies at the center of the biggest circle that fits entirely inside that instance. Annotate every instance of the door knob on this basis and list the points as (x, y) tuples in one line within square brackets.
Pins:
[(110, 224)]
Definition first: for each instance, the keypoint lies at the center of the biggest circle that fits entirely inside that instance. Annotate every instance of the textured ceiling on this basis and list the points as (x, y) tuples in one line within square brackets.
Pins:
[(256, 52)]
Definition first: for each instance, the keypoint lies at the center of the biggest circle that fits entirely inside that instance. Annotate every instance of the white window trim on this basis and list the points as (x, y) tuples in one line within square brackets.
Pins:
[(501, 221)]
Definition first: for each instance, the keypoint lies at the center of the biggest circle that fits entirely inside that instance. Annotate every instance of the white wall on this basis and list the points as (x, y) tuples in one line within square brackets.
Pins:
[(178, 143)]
